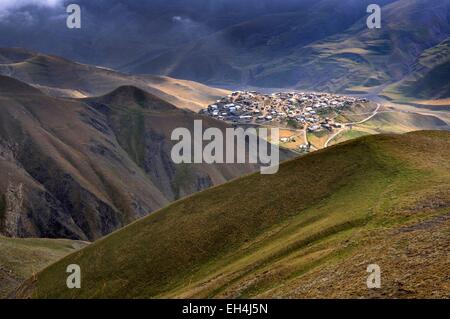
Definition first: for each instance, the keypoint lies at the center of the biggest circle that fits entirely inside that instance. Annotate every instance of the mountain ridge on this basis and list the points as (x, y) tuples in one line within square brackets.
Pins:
[(280, 241), (60, 77), (336, 62), (71, 170), (309, 45)]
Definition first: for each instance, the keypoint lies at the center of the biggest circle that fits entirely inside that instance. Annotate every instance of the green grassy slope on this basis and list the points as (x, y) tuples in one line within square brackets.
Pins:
[(314, 226), (22, 258)]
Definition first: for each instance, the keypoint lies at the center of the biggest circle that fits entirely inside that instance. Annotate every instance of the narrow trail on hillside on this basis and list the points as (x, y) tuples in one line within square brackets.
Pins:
[(346, 125)]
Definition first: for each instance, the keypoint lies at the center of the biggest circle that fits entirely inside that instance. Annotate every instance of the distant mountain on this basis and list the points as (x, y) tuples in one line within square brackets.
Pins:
[(80, 169), (359, 56), (330, 50), (315, 45), (363, 57), (309, 231), (60, 77), (429, 78), (319, 45), (264, 50), (117, 32)]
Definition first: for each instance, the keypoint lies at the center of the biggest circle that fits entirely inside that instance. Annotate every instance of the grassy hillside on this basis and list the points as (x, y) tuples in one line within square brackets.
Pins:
[(308, 231), (390, 121), (21, 258)]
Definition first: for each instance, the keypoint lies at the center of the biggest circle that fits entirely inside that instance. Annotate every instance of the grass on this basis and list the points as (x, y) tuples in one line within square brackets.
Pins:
[(21, 258), (400, 122), (292, 123), (268, 235), (348, 135), (318, 138)]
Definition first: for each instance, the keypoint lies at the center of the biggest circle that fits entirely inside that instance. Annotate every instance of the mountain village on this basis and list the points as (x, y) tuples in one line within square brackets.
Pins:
[(302, 109)]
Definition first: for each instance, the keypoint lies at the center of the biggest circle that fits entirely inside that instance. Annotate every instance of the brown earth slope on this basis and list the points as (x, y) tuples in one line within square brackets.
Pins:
[(81, 169), (63, 78)]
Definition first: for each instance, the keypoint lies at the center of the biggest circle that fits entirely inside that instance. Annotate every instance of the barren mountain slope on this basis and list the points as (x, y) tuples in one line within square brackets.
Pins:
[(63, 78), (72, 169)]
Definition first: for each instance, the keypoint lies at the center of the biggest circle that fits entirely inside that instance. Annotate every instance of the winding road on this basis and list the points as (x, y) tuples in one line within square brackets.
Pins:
[(345, 125)]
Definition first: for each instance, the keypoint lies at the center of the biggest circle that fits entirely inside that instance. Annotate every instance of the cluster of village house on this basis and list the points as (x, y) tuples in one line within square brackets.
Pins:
[(306, 109)]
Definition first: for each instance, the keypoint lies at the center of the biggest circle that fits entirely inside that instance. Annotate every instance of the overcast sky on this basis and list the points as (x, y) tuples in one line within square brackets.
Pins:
[(10, 5)]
